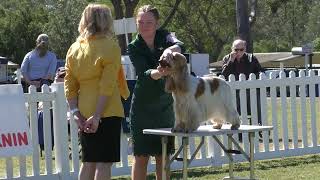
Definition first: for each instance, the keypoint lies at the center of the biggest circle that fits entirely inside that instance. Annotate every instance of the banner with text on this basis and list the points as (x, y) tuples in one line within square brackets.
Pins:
[(15, 136)]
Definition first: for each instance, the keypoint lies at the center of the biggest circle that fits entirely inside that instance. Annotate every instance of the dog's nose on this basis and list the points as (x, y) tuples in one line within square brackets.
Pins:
[(164, 63)]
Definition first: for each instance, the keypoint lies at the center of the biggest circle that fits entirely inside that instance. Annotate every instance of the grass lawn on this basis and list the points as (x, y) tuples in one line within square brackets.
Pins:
[(289, 114), (304, 168)]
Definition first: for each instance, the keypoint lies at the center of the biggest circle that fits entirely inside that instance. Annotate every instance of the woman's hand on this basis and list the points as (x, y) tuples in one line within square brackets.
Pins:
[(80, 120), (92, 124), (163, 71)]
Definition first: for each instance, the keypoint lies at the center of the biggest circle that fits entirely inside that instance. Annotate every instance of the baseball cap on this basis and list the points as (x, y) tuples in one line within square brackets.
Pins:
[(43, 38)]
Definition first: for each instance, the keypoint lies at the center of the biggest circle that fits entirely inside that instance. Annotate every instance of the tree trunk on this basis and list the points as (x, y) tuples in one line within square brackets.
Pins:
[(243, 26), (130, 6)]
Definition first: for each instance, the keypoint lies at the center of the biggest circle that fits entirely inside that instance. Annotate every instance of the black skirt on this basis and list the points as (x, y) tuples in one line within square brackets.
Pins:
[(104, 145)]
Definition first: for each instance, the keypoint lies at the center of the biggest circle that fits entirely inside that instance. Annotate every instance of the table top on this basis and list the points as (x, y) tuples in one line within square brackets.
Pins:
[(207, 130)]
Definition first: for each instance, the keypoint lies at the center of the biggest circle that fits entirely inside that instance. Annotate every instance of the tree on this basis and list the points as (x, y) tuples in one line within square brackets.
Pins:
[(62, 27), (282, 24), (124, 9), (204, 26), (19, 29), (245, 21)]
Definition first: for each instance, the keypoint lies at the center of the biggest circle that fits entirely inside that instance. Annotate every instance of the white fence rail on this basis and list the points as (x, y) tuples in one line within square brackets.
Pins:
[(293, 117)]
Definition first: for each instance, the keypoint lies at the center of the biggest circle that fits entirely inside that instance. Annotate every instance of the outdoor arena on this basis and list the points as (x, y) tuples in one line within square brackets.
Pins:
[(289, 104)]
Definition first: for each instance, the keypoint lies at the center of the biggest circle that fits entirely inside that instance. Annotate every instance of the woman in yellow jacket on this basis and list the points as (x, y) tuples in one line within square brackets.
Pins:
[(94, 84)]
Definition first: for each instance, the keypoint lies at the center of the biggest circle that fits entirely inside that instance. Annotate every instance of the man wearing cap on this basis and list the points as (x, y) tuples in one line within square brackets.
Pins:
[(39, 65)]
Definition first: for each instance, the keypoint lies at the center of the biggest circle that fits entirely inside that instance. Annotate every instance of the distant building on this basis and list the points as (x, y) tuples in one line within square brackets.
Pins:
[(3, 69)]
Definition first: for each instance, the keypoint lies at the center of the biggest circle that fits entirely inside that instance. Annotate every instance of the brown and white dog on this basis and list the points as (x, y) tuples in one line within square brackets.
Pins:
[(198, 99)]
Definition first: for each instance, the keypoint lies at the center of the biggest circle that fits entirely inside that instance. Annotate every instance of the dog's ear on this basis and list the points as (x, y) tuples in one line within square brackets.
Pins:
[(180, 59), (170, 85)]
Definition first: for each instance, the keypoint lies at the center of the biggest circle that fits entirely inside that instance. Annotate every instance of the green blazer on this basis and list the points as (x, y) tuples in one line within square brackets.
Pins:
[(151, 106)]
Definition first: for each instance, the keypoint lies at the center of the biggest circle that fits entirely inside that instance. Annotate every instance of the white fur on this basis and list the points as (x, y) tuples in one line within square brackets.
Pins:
[(190, 111)]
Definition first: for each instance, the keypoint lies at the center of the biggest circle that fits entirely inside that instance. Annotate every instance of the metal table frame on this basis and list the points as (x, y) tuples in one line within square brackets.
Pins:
[(208, 131)]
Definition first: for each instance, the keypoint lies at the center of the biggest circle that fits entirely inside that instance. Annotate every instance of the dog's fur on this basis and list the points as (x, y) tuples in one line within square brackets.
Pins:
[(198, 99)]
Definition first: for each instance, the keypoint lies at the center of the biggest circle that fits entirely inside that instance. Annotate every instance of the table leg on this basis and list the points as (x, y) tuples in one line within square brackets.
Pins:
[(185, 157), (164, 141), (251, 140), (230, 159)]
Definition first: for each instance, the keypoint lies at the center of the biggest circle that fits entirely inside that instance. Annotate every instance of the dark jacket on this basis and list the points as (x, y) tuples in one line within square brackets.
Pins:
[(246, 65)]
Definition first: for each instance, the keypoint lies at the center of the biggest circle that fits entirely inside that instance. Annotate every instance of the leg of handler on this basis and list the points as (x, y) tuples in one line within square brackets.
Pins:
[(103, 171), (87, 170), (139, 168)]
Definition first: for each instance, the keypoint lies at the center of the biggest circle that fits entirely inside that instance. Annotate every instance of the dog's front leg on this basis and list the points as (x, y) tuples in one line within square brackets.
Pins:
[(179, 127), (192, 121)]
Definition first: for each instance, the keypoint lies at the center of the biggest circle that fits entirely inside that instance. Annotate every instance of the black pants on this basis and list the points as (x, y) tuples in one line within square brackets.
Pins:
[(25, 86), (249, 104), (249, 108)]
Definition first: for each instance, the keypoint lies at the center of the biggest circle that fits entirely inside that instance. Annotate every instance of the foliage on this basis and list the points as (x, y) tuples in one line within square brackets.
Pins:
[(205, 26), (317, 44), (21, 23), (282, 25), (62, 26)]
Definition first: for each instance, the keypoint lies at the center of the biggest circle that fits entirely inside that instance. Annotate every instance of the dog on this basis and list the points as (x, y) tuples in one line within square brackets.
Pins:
[(198, 99)]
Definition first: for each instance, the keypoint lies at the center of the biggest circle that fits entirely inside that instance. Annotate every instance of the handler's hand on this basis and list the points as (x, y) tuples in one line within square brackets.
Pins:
[(80, 120), (164, 71), (91, 125)]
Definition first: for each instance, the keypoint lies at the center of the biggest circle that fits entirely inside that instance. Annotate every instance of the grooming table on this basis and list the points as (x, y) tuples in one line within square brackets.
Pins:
[(203, 131)]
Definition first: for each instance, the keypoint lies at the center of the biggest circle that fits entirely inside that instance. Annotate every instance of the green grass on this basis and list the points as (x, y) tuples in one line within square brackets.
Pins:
[(15, 162), (299, 119), (304, 168)]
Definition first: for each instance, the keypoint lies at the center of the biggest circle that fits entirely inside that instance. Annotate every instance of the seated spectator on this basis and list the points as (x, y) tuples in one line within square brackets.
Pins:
[(39, 65)]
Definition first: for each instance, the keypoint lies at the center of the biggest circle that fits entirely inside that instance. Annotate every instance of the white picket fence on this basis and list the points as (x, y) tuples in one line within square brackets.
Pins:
[(294, 132)]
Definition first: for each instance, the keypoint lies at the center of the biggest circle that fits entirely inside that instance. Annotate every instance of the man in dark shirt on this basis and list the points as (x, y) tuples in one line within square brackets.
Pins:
[(239, 62)]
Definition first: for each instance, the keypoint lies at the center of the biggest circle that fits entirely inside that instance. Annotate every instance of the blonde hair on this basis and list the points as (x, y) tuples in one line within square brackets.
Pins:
[(149, 8), (96, 18)]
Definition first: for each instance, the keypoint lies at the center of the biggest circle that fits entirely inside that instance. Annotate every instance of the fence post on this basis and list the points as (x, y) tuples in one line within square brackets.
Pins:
[(60, 126)]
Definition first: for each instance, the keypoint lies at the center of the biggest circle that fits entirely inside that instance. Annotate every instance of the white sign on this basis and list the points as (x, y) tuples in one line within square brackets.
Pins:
[(15, 137), (199, 64), (124, 26)]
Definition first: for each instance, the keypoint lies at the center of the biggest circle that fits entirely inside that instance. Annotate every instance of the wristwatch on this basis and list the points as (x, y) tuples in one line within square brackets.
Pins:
[(72, 111)]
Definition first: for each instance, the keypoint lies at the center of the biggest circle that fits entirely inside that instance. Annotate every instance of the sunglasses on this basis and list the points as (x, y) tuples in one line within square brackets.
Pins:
[(239, 49)]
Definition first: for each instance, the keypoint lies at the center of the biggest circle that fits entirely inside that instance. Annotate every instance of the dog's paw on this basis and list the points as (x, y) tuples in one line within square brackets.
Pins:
[(177, 130), (188, 131), (173, 130), (235, 126), (217, 126)]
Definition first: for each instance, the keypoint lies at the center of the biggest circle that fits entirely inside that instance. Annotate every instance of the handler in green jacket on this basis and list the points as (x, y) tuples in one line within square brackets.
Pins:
[(151, 106)]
